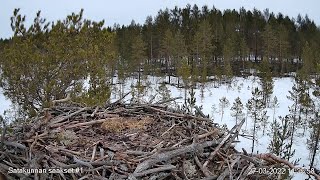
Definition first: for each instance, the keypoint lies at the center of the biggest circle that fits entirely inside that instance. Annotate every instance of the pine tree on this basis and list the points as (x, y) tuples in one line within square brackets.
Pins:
[(244, 51), (266, 81), (43, 64), (294, 110), (179, 52), (306, 104), (184, 70), (163, 92), (315, 122), (282, 46), (274, 106), (203, 47), (138, 55), (166, 48), (280, 135), (228, 53), (269, 42), (308, 62), (223, 103), (313, 141), (237, 109), (264, 121), (257, 112), (101, 62)]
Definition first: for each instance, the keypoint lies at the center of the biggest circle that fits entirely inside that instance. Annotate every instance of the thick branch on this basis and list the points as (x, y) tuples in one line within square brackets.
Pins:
[(170, 154)]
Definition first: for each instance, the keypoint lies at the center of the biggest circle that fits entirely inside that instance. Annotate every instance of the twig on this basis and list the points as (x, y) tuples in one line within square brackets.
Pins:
[(207, 134), (200, 112), (15, 144), (93, 153), (246, 172), (154, 170), (68, 98), (102, 156), (235, 131), (168, 155), (216, 150), (52, 124), (95, 111), (178, 115), (119, 100), (78, 161), (89, 123), (228, 171), (225, 139), (32, 145), (174, 124), (206, 173), (168, 100)]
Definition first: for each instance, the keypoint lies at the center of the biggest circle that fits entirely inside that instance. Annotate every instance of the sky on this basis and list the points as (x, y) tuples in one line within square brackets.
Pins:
[(123, 11)]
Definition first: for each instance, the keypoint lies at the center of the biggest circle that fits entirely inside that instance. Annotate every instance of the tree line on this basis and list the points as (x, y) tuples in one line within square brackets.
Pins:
[(47, 60), (220, 43)]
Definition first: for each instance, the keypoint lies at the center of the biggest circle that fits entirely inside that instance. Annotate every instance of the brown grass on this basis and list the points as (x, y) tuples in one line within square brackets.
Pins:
[(125, 123)]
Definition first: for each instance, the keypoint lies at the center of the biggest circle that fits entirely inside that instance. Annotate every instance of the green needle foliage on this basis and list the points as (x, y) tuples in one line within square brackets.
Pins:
[(47, 61)]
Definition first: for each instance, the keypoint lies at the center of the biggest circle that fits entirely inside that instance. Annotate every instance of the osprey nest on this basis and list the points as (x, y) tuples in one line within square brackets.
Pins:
[(128, 141)]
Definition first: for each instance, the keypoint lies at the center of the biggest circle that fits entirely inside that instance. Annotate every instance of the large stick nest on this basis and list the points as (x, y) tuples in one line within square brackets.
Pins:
[(126, 141)]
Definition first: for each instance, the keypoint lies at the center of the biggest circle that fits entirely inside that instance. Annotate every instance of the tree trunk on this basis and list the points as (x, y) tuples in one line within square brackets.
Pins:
[(254, 131), (315, 146)]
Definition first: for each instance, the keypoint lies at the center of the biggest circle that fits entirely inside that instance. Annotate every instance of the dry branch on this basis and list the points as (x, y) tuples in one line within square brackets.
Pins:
[(192, 148)]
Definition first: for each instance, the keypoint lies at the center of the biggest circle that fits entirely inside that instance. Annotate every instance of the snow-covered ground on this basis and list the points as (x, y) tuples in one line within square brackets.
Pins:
[(4, 103), (208, 96)]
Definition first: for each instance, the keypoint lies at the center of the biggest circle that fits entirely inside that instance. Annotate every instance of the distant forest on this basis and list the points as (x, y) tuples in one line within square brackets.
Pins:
[(212, 40), (48, 60)]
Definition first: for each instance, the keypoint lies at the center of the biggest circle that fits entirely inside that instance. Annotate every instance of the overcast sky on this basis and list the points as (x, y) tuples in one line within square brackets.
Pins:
[(123, 11)]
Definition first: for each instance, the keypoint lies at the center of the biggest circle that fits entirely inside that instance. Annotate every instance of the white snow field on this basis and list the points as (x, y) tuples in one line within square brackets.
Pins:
[(241, 87), (4, 103), (210, 95)]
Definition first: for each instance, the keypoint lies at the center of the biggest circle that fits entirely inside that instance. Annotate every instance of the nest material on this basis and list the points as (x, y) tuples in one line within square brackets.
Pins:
[(126, 141)]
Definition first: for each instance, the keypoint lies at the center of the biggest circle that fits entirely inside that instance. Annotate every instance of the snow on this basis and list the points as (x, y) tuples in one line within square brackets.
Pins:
[(4, 103), (241, 87)]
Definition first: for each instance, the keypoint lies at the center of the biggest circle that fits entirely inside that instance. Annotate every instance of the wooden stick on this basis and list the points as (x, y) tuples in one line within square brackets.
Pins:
[(206, 173), (94, 153), (119, 100), (228, 171), (78, 161), (246, 172), (207, 134), (68, 98), (154, 170), (212, 154), (234, 133), (169, 100), (178, 115), (15, 144), (170, 154), (200, 112), (225, 139), (67, 117), (174, 124), (89, 123), (95, 111)]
